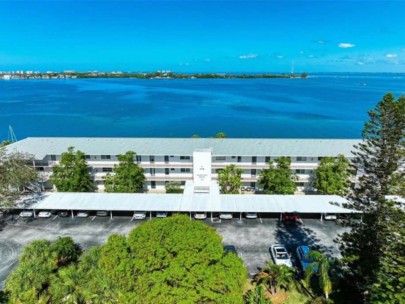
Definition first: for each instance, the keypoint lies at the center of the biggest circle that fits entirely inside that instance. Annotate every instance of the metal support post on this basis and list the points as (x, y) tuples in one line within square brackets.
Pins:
[(72, 214)]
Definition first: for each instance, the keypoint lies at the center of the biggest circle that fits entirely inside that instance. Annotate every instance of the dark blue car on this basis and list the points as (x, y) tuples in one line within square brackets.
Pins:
[(302, 252)]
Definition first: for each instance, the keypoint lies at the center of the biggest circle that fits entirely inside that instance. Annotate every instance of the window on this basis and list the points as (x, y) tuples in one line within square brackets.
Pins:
[(300, 171), (300, 184), (138, 158), (233, 156), (152, 171), (39, 168), (185, 170), (239, 159), (87, 156), (253, 172), (167, 171), (53, 157), (151, 158), (217, 170), (267, 159), (172, 169), (166, 158), (107, 169), (183, 183), (220, 158), (254, 159), (320, 158), (105, 156), (301, 158), (185, 157), (153, 184)]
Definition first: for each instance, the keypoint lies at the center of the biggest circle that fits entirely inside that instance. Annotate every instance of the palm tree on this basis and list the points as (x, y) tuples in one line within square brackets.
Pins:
[(274, 276), (256, 296), (66, 286), (320, 266)]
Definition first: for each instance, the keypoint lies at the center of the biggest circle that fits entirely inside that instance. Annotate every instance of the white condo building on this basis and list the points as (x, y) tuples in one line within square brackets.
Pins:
[(181, 159)]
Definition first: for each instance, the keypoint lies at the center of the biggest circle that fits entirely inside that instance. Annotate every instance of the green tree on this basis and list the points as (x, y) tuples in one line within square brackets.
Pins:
[(195, 136), (320, 266), (278, 179), (364, 247), (275, 276), (72, 173), (229, 179), (221, 135), (15, 175), (67, 286), (257, 296), (189, 264), (332, 176), (4, 143), (173, 187), (128, 177)]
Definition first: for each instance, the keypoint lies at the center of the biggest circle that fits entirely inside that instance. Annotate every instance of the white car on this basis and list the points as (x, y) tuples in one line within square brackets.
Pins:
[(44, 214), (200, 215), (82, 214), (280, 255), (139, 215), (251, 215), (225, 216), (330, 216), (26, 214), (161, 214)]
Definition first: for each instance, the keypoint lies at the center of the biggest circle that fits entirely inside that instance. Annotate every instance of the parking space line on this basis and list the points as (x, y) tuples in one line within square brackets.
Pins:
[(54, 218), (94, 217)]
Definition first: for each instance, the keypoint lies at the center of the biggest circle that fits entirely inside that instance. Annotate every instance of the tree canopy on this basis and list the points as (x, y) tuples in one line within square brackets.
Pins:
[(374, 247), (173, 187), (332, 176), (171, 260), (278, 178), (229, 179), (72, 173), (15, 175), (221, 135), (128, 177)]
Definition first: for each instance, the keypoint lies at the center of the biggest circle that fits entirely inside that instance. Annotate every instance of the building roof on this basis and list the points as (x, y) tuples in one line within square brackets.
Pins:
[(42, 146), (195, 203)]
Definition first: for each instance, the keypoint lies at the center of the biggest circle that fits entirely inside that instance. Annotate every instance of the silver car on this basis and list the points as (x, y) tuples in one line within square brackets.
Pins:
[(280, 255)]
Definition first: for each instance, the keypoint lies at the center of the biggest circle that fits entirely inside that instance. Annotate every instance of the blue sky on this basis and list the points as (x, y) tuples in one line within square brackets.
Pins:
[(209, 36)]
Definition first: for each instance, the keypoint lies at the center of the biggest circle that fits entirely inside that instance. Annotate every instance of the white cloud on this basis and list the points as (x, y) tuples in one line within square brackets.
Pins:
[(279, 56), (248, 56), (345, 45), (207, 60), (391, 55), (302, 52), (321, 42), (360, 62)]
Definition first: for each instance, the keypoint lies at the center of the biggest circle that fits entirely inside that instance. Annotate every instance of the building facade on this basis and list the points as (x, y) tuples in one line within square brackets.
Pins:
[(176, 159)]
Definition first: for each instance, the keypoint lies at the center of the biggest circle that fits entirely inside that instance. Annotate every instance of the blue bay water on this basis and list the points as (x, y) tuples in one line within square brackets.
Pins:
[(322, 106)]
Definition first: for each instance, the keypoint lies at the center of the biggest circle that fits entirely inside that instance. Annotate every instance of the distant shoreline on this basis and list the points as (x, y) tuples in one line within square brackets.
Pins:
[(154, 75)]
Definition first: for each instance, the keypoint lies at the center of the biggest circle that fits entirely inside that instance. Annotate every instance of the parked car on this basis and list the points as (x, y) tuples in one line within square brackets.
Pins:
[(161, 214), (102, 213), (139, 215), (45, 214), (302, 252), (230, 249), (26, 214), (225, 216), (291, 218), (82, 214), (280, 255), (63, 213), (251, 215), (329, 216), (200, 215)]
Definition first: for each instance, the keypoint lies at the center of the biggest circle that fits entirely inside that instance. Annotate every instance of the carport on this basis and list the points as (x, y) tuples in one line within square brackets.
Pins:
[(192, 202), (109, 202)]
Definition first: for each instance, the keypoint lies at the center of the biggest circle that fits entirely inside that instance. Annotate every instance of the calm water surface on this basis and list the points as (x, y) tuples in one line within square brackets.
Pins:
[(323, 106)]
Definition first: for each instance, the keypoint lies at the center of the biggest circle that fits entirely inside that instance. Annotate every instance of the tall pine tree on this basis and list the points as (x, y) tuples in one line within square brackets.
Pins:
[(377, 160)]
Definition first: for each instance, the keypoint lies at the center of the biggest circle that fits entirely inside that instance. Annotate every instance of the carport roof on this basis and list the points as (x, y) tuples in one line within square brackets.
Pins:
[(197, 202)]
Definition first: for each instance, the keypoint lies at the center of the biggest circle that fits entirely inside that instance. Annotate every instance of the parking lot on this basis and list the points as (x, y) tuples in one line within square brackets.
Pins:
[(251, 237)]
